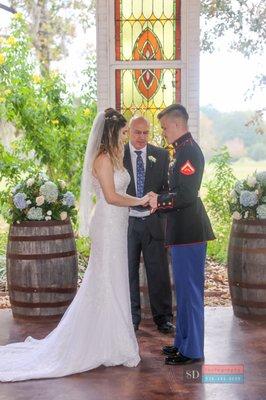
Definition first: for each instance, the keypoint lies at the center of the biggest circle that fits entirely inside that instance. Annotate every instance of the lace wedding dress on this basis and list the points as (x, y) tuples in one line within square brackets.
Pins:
[(97, 327)]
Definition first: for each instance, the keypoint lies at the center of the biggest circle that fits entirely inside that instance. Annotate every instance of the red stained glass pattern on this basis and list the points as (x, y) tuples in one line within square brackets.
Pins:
[(148, 31)]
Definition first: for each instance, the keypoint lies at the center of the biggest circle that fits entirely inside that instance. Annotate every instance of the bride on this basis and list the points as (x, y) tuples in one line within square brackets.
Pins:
[(97, 327)]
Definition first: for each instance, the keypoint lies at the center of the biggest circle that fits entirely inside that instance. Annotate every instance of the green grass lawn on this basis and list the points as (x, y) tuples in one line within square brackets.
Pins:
[(241, 168)]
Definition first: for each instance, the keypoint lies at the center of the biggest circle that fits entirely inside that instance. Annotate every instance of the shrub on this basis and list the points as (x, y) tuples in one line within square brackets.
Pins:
[(217, 199)]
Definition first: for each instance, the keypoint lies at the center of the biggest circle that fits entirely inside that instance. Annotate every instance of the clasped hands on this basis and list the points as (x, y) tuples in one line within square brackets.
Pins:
[(150, 200)]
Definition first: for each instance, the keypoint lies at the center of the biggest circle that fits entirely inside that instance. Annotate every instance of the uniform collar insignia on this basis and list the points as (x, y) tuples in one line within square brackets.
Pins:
[(182, 139)]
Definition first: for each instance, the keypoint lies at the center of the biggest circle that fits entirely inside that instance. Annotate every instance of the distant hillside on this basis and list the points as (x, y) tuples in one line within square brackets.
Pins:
[(228, 128)]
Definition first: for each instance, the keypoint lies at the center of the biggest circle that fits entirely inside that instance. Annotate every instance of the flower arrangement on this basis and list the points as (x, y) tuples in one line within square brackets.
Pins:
[(39, 199), (248, 198)]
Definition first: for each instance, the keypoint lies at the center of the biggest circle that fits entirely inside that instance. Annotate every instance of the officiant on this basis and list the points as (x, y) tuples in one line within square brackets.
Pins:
[(148, 169)]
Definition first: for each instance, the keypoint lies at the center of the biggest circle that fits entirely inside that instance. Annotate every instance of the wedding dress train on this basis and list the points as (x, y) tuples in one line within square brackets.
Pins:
[(97, 327)]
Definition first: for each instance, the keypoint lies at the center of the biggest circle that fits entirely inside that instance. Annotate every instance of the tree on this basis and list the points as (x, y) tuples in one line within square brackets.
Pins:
[(52, 125), (243, 21), (52, 25)]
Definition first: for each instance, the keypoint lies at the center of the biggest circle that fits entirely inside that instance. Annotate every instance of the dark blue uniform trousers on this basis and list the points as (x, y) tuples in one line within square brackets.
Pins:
[(188, 262)]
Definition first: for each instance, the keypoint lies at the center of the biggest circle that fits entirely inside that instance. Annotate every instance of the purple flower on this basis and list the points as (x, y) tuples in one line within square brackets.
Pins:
[(68, 199), (19, 200), (248, 199)]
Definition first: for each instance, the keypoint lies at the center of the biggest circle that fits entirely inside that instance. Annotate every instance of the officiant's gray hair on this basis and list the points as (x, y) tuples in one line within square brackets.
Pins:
[(136, 118)]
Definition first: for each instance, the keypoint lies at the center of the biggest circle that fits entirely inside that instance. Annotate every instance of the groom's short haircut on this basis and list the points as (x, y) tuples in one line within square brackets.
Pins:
[(175, 111)]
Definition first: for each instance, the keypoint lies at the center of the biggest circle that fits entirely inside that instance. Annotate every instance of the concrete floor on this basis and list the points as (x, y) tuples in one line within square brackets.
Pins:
[(228, 340)]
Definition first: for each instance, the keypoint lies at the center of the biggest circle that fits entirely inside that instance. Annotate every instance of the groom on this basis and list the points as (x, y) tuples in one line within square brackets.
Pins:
[(188, 229), (148, 168)]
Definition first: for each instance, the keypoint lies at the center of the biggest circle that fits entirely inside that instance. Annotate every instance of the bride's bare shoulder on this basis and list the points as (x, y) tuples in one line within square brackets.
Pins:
[(102, 161)]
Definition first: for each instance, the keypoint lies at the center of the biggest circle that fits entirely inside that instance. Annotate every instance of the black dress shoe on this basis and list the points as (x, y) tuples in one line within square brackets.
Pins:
[(170, 350), (166, 327), (136, 327), (179, 359)]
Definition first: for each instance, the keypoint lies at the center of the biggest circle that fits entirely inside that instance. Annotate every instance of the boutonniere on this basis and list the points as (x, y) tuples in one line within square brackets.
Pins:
[(152, 159)]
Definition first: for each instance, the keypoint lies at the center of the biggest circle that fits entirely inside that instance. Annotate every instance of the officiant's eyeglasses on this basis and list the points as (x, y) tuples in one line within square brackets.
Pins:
[(137, 132)]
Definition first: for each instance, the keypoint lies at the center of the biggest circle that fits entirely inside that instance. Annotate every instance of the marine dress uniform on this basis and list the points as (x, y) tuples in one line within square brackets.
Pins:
[(187, 231)]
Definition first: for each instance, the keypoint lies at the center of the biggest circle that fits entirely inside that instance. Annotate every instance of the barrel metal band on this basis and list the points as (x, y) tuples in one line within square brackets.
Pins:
[(246, 303), (42, 289), (26, 224), (248, 285), (46, 318), (248, 222), (247, 235), (40, 305), (40, 256), (240, 249), (40, 238)]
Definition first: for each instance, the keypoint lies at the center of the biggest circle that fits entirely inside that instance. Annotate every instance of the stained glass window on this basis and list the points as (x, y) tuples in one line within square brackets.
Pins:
[(147, 32), (150, 27), (146, 92)]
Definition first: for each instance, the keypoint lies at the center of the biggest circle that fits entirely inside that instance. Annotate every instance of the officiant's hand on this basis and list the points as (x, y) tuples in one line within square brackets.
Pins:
[(153, 197)]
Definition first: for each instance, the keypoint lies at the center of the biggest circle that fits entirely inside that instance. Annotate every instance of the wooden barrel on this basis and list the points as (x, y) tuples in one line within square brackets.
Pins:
[(144, 292), (247, 268), (42, 269)]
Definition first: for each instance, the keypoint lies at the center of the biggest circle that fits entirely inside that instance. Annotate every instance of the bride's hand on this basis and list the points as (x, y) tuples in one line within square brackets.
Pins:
[(144, 201)]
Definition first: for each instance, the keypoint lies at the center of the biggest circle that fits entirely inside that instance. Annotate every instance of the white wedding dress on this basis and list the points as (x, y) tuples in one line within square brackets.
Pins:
[(97, 327)]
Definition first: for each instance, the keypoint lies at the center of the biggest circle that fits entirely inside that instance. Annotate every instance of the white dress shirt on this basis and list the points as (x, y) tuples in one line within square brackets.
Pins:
[(133, 155)]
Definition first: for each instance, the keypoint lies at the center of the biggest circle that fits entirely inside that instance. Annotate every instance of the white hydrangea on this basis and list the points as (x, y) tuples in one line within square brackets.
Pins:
[(35, 214), (30, 182), (43, 176), (50, 191), (261, 211), (251, 181), (62, 184)]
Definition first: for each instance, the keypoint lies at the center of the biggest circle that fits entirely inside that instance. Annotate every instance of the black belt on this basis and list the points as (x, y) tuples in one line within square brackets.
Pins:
[(140, 218)]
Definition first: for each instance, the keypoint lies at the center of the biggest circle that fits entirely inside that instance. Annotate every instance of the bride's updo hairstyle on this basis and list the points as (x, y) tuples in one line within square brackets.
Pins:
[(110, 142)]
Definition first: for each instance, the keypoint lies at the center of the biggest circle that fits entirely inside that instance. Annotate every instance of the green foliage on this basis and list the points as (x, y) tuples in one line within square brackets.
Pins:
[(51, 125), (3, 242), (216, 200), (83, 246)]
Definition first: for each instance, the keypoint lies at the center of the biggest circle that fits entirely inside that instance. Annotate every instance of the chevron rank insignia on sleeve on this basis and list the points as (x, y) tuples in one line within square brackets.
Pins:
[(187, 168)]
